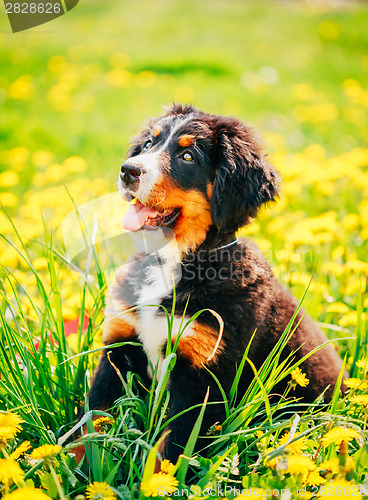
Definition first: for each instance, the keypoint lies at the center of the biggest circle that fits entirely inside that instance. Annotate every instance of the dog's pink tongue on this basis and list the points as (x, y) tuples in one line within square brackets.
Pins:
[(136, 215)]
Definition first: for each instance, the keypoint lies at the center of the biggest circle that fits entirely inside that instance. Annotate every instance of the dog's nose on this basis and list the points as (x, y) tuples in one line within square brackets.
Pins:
[(129, 173)]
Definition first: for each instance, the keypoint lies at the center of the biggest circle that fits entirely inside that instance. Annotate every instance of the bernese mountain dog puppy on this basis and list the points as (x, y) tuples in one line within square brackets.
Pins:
[(201, 177)]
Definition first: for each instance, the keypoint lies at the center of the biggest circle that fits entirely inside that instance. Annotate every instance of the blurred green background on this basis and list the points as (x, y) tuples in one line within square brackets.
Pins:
[(84, 83)]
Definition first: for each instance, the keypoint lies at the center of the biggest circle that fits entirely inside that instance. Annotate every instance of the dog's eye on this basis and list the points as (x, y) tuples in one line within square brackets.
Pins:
[(188, 156), (148, 145)]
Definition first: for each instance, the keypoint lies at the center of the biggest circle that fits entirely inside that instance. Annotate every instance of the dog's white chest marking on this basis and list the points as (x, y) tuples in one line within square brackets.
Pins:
[(152, 325)]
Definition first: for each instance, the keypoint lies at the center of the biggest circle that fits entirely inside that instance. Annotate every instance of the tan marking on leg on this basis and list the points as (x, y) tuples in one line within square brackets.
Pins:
[(201, 346), (117, 330), (209, 190)]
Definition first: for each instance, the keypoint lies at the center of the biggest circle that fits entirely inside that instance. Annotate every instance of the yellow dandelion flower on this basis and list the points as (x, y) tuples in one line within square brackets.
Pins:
[(9, 179), (271, 462), (362, 363), (314, 479), (299, 464), (75, 164), (42, 158), (29, 493), (159, 484), (98, 490), (338, 489), (349, 465), (337, 307), (299, 377), (9, 199), (263, 440), (46, 451), (9, 419), (9, 425), (119, 77), (167, 466), (103, 423), (7, 433), (10, 472), (20, 450), (22, 88), (40, 263), (9, 256), (295, 447), (339, 434), (360, 400), (356, 383), (333, 465)]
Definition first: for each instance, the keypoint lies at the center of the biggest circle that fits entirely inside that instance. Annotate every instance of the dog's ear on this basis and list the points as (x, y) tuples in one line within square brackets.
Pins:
[(244, 179)]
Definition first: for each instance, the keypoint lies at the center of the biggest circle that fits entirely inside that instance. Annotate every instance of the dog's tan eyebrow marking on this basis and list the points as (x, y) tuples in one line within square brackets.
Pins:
[(157, 132), (186, 140)]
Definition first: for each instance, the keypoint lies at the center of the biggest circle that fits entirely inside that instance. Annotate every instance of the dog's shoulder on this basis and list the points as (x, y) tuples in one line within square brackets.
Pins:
[(252, 262)]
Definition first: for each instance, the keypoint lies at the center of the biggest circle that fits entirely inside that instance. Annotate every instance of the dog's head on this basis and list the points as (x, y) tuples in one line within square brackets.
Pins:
[(190, 170)]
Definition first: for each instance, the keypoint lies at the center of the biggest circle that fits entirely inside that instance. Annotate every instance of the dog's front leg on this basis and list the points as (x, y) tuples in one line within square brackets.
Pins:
[(114, 364), (106, 385), (188, 387)]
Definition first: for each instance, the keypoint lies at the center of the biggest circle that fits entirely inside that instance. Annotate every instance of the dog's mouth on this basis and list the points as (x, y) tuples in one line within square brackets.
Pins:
[(140, 216)]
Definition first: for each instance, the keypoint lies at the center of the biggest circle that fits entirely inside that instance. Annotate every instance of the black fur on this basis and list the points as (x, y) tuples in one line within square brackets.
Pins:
[(126, 359), (244, 180), (235, 281)]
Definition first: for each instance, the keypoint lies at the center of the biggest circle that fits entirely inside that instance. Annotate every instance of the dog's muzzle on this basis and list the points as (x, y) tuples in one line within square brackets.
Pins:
[(129, 174)]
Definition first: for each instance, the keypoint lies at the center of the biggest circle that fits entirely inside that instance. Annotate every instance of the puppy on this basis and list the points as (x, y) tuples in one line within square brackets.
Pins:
[(198, 178)]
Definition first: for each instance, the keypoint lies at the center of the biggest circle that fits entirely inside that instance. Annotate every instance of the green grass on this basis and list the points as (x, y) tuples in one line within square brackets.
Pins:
[(45, 384)]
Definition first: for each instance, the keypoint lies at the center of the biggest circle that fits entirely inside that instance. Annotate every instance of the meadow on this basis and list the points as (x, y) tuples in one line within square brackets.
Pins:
[(72, 94)]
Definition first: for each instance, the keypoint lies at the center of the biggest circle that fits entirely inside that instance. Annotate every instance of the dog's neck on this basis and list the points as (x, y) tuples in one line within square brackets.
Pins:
[(216, 241)]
